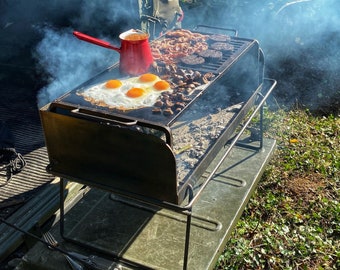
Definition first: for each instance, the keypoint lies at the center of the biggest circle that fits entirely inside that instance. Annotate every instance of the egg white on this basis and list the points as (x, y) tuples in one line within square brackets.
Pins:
[(116, 97)]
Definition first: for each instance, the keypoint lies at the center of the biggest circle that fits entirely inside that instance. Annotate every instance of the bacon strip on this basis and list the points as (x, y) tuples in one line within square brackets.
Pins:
[(177, 44)]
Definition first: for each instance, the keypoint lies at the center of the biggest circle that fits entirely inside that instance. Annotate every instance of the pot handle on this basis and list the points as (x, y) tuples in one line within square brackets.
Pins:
[(102, 119), (95, 41)]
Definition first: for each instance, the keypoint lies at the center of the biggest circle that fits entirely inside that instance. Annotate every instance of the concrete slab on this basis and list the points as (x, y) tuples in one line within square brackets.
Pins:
[(152, 237)]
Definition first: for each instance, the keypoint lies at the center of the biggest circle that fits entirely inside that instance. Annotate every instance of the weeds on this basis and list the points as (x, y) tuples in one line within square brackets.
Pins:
[(293, 218)]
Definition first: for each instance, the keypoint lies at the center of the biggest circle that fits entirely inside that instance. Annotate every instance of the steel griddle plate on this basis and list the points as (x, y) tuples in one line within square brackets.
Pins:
[(72, 99)]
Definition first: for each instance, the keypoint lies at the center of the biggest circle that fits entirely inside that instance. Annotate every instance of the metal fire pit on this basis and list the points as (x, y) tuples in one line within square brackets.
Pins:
[(139, 154)]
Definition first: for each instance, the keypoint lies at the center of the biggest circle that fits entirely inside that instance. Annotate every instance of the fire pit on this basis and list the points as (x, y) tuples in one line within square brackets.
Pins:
[(158, 152)]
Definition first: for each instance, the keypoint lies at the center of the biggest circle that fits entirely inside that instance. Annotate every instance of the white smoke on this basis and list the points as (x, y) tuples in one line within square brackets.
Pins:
[(284, 28), (68, 62), (300, 40)]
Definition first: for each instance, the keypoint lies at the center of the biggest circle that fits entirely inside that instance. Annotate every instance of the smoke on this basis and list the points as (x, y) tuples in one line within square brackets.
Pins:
[(303, 53), (66, 61), (300, 39)]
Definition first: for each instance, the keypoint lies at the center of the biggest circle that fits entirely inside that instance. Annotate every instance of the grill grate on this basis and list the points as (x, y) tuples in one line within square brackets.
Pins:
[(239, 45)]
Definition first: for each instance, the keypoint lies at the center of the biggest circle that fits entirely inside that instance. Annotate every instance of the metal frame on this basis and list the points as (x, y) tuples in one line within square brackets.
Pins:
[(192, 198), (65, 119)]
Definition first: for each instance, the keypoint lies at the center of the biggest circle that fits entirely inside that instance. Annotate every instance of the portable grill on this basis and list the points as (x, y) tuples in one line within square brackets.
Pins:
[(163, 160), (140, 154)]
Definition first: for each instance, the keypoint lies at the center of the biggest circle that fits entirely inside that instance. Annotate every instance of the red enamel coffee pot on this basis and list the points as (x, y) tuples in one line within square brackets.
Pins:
[(135, 52)]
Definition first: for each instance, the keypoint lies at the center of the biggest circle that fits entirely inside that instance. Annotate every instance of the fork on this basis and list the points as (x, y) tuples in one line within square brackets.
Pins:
[(53, 244)]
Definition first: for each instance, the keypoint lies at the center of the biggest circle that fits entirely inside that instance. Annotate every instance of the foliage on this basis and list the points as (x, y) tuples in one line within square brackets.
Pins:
[(293, 218)]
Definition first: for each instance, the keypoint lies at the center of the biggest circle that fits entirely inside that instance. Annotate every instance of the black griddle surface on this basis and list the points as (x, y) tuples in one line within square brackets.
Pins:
[(73, 99)]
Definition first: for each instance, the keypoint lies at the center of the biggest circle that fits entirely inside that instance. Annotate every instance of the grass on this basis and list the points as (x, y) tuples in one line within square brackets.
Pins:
[(293, 219)]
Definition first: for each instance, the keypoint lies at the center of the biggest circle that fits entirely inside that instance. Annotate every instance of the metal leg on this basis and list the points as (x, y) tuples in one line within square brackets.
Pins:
[(187, 230), (259, 130), (62, 209), (261, 127), (187, 242)]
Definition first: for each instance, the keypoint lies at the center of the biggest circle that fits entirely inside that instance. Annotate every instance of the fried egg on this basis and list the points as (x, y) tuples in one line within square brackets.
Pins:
[(127, 94)]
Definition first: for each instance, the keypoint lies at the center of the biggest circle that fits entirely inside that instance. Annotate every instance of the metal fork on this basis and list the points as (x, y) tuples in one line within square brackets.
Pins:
[(53, 244)]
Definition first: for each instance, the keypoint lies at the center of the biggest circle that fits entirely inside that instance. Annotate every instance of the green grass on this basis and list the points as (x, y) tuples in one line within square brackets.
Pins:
[(293, 219)]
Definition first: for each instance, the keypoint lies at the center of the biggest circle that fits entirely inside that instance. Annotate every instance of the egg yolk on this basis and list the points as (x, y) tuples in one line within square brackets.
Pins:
[(148, 77), (161, 85), (135, 92), (113, 84)]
